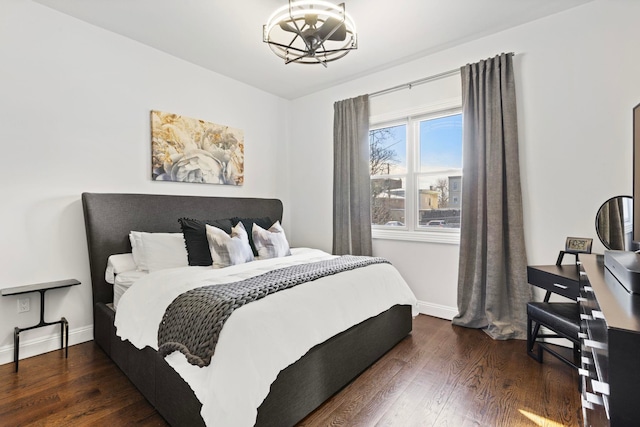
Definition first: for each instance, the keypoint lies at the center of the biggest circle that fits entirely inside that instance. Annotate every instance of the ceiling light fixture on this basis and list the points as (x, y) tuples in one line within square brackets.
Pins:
[(310, 32)]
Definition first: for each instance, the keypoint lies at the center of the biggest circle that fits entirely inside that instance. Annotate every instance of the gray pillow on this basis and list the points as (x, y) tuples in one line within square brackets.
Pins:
[(227, 249), (263, 222), (271, 243)]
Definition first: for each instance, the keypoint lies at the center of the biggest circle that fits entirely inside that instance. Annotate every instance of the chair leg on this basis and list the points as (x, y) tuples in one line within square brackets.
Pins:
[(532, 333)]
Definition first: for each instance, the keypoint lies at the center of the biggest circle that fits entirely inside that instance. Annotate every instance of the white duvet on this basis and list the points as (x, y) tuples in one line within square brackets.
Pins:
[(261, 338)]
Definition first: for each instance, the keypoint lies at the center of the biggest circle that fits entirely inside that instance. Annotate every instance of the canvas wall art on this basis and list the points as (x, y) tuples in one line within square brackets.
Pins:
[(192, 150)]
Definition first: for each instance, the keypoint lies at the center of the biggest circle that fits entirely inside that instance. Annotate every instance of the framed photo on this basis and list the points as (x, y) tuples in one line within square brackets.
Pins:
[(578, 245)]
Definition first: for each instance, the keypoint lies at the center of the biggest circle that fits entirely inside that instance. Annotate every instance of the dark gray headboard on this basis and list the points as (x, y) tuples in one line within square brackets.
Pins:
[(110, 217)]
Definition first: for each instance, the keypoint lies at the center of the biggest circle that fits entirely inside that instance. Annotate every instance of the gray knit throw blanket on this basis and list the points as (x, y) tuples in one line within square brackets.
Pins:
[(193, 321)]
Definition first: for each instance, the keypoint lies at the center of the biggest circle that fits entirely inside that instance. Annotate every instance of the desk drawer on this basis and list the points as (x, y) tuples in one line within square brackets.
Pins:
[(555, 283)]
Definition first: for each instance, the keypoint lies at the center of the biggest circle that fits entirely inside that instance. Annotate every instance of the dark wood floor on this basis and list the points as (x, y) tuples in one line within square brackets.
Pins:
[(441, 375)]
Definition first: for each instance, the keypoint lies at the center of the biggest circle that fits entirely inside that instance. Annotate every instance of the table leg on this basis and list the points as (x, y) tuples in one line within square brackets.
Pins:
[(16, 346), (66, 337)]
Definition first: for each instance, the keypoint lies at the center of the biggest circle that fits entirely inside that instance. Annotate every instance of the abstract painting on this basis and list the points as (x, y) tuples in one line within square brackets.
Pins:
[(191, 150)]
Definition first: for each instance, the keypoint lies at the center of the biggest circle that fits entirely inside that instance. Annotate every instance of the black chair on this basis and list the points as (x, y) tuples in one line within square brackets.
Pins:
[(562, 319)]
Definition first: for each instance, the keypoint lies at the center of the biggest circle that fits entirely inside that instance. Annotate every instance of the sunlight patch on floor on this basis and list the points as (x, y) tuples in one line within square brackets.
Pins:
[(540, 421)]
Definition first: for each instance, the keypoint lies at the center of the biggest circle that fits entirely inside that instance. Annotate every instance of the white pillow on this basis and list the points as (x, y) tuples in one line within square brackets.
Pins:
[(271, 243), (135, 237), (158, 251), (117, 264), (164, 250), (229, 250)]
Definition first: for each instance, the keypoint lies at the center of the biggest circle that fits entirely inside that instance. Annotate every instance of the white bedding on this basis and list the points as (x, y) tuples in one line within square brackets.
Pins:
[(123, 281), (256, 342)]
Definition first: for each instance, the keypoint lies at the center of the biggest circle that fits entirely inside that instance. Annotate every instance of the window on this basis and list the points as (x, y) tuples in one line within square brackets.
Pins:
[(416, 173)]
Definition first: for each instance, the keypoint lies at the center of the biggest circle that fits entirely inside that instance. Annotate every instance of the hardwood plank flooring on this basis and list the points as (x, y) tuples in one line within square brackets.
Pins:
[(442, 375)]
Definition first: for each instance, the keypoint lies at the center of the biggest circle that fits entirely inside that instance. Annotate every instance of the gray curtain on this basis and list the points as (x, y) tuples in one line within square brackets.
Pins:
[(351, 182), (492, 281)]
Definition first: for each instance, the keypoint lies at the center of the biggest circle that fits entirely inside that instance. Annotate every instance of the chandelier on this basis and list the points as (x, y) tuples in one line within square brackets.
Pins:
[(310, 32)]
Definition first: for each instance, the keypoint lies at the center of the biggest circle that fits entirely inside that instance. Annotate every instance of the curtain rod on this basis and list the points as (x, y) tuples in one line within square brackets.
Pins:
[(419, 81), (415, 83)]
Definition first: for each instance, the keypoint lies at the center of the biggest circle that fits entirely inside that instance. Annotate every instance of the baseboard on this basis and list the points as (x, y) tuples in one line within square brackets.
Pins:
[(436, 310), (36, 346)]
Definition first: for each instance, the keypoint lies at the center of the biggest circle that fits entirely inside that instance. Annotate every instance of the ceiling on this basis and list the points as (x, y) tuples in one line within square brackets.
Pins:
[(226, 36)]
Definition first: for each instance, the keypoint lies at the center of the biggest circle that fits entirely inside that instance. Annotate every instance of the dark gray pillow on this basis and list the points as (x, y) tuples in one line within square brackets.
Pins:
[(264, 222), (195, 237)]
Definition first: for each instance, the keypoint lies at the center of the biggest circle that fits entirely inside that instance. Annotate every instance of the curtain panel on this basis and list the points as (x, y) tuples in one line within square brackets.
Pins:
[(492, 280), (351, 181)]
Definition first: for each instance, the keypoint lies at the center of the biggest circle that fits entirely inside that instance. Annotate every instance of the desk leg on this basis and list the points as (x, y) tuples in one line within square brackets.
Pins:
[(16, 346), (65, 325)]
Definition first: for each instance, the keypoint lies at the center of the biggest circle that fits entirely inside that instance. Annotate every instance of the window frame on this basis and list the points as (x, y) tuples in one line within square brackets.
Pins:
[(412, 118)]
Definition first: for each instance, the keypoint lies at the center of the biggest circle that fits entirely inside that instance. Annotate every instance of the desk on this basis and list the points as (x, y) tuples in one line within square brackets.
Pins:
[(42, 288), (562, 280), (559, 279)]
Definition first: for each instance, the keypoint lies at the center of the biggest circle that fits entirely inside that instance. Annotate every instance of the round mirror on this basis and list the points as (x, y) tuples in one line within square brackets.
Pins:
[(614, 223)]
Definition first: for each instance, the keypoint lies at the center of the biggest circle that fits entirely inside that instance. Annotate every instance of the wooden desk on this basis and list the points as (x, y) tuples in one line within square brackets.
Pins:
[(559, 279), (42, 288)]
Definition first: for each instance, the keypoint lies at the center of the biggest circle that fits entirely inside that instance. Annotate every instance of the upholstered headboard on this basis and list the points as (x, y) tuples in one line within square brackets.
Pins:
[(110, 217)]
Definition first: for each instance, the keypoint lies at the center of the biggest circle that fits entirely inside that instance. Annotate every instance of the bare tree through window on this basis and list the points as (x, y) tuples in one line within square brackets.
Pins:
[(442, 186), (383, 158)]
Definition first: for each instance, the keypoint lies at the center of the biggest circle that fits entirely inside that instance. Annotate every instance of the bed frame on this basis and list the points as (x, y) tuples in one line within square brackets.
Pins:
[(298, 389)]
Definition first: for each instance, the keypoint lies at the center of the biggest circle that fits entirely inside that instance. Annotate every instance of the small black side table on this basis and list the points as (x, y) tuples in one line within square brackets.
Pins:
[(42, 288)]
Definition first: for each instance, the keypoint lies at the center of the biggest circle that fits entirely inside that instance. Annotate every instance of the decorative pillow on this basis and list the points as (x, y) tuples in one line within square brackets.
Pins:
[(271, 243), (264, 222), (195, 237), (157, 251), (227, 249)]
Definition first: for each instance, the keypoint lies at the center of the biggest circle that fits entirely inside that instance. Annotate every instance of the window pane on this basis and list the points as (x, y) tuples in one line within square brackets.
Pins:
[(387, 201), (440, 190), (441, 143), (439, 200), (388, 150)]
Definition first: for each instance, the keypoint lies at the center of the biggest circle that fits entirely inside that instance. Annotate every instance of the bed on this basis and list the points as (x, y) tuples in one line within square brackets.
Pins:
[(298, 389)]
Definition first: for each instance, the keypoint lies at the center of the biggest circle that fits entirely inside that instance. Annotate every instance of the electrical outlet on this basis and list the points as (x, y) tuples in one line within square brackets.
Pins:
[(23, 305)]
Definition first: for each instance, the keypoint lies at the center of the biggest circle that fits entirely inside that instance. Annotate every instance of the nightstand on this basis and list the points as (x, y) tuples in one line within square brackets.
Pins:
[(42, 288)]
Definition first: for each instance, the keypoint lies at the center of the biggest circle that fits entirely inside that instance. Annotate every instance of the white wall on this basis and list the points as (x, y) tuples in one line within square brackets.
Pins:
[(578, 76), (74, 117)]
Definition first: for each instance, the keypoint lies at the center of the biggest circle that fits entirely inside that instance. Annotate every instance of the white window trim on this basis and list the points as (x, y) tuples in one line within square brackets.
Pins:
[(449, 236), (447, 104), (445, 235)]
